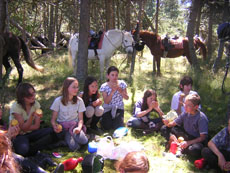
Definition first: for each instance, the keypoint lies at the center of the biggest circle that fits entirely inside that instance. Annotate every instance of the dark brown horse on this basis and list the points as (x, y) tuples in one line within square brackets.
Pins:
[(154, 42), (11, 48)]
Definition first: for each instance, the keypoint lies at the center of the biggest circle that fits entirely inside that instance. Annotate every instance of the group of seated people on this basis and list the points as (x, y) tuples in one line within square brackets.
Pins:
[(74, 115)]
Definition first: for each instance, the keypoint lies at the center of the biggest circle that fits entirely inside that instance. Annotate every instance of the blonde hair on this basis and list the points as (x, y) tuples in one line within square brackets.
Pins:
[(134, 161), (194, 98)]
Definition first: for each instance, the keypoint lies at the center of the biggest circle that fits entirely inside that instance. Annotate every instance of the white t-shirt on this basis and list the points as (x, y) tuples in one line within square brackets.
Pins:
[(68, 112), (175, 100)]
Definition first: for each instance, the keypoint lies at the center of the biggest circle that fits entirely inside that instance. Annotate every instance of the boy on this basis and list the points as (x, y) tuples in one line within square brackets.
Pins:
[(178, 98), (192, 125)]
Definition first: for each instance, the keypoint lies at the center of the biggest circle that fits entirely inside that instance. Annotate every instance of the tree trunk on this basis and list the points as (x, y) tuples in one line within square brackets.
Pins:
[(108, 11), (127, 15), (190, 30), (51, 26), (2, 27), (56, 22), (210, 24), (82, 57), (157, 15), (118, 15), (198, 18)]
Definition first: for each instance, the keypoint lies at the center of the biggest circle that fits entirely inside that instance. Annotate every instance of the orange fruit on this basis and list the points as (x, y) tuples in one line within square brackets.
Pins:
[(14, 122), (180, 139), (38, 112), (59, 126)]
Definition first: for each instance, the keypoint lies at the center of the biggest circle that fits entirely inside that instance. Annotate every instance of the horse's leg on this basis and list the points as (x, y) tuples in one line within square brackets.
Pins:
[(154, 64), (158, 59), (107, 62), (102, 63), (18, 65), (7, 66)]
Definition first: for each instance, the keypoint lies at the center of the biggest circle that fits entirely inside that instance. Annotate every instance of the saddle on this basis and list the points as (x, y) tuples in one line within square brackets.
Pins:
[(174, 43), (95, 41)]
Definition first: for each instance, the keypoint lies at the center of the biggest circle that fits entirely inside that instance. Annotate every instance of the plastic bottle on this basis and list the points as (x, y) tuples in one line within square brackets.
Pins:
[(71, 163), (173, 147)]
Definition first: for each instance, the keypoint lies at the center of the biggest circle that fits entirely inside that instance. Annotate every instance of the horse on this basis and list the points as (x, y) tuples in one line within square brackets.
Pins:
[(12, 46), (112, 40), (154, 43)]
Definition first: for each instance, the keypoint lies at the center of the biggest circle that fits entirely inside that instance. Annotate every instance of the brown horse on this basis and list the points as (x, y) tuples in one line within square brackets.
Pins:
[(154, 42), (12, 46)]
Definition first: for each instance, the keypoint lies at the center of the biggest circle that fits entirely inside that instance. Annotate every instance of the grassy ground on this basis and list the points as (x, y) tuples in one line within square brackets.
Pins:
[(48, 85)]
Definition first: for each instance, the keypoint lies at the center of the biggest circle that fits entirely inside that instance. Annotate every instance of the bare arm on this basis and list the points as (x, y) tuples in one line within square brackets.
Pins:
[(185, 144), (221, 159), (123, 93), (107, 98), (28, 124), (80, 123), (53, 122), (169, 124)]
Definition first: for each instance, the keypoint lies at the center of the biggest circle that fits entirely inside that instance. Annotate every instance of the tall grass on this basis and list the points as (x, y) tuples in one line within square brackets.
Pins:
[(208, 85)]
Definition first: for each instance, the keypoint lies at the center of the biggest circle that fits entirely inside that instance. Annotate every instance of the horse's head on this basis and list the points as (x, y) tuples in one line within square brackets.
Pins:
[(127, 41)]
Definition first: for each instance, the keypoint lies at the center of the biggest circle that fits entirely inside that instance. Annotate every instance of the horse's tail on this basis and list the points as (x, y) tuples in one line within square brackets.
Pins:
[(28, 58), (201, 44)]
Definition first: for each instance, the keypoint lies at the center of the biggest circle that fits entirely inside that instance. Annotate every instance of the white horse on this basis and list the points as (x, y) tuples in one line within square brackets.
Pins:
[(112, 40)]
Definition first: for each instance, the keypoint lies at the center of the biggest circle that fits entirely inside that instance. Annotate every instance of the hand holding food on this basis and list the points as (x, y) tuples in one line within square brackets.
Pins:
[(14, 122), (39, 112), (180, 139)]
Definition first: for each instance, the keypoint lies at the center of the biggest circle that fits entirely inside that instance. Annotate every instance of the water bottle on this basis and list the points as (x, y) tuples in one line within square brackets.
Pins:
[(173, 147)]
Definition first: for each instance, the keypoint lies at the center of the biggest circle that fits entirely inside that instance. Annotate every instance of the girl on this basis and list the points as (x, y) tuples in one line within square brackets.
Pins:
[(68, 110), (93, 103), (31, 137), (113, 92), (141, 112)]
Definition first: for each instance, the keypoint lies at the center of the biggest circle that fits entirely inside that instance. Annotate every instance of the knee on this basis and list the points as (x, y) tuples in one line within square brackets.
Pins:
[(82, 139), (205, 152), (99, 110), (22, 148), (89, 111)]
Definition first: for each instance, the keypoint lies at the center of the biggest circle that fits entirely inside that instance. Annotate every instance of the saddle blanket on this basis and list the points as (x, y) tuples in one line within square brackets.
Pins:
[(175, 43), (100, 42)]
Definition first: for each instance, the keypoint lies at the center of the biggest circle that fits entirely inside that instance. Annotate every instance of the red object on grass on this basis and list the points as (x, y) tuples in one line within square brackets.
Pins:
[(199, 163), (173, 147), (71, 163)]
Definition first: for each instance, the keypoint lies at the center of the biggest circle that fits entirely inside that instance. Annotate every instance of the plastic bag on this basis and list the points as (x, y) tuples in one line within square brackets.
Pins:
[(105, 147), (171, 115), (120, 151)]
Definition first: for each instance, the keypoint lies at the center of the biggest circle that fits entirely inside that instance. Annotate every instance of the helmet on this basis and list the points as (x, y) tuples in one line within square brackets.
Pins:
[(223, 31)]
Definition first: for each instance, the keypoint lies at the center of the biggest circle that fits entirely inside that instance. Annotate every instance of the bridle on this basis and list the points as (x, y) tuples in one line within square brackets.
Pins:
[(122, 42)]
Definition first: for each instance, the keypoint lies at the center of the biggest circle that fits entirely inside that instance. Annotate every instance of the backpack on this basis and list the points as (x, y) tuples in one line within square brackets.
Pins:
[(93, 163)]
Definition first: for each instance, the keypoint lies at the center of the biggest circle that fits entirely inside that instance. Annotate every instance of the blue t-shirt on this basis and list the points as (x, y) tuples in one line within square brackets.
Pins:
[(222, 139), (193, 124)]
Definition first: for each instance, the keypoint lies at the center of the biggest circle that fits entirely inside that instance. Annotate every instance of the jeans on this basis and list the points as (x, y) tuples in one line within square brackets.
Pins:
[(29, 143), (108, 123), (76, 140)]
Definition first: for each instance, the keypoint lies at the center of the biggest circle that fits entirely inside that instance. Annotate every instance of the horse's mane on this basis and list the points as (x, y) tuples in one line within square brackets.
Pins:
[(148, 35)]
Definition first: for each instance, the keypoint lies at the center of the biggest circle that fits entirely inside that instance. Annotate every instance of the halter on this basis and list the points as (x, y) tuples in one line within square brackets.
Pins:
[(122, 43)]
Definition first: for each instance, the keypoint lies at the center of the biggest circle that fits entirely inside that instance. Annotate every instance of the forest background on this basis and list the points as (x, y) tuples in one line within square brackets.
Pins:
[(181, 18)]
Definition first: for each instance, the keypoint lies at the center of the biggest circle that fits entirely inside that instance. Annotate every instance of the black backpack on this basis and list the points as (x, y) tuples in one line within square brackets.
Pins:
[(93, 163)]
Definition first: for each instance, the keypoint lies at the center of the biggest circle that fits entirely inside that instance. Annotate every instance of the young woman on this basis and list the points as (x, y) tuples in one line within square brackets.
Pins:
[(31, 137), (93, 103), (113, 92), (68, 111), (141, 112)]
